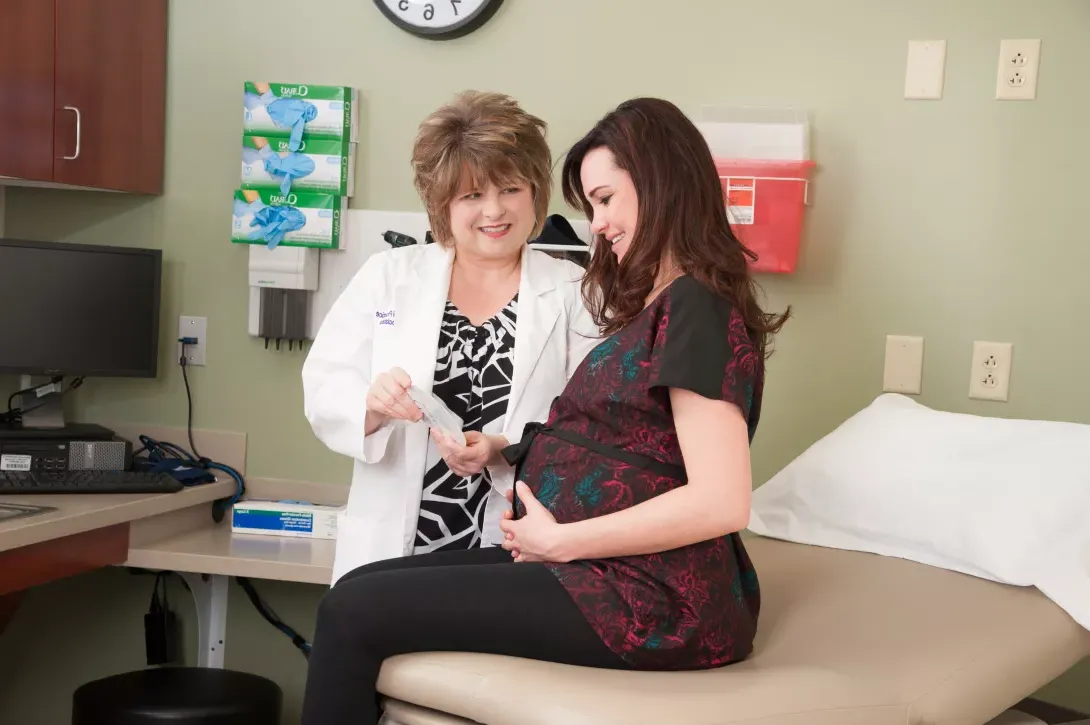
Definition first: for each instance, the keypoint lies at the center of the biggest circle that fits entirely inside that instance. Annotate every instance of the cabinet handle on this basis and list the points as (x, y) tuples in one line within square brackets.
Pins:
[(76, 111)]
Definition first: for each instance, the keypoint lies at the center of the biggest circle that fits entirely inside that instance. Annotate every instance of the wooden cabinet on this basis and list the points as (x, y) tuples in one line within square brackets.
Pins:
[(83, 92)]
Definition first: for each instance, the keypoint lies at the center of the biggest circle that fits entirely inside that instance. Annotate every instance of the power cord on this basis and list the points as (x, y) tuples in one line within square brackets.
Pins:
[(166, 454), (271, 617), (186, 342)]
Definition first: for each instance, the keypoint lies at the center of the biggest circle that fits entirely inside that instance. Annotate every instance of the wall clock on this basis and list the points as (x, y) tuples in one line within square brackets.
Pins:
[(438, 19)]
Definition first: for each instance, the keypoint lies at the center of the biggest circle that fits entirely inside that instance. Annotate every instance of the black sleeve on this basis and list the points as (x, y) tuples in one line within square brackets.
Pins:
[(701, 344)]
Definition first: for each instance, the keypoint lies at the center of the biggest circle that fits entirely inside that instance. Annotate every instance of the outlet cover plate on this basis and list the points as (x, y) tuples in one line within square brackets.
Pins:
[(990, 375), (1016, 77), (925, 69), (904, 365), (193, 327)]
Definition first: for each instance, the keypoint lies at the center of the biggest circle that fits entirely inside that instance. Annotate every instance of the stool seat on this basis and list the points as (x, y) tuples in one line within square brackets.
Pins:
[(179, 696)]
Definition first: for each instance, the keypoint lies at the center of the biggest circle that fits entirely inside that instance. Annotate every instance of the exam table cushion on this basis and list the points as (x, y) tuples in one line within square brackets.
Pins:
[(999, 498), (844, 638)]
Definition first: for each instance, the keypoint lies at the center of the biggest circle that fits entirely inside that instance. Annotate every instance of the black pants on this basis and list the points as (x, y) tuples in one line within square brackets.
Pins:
[(462, 601)]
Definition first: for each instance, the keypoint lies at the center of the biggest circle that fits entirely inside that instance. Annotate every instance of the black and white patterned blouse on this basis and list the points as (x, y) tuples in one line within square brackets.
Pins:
[(473, 372)]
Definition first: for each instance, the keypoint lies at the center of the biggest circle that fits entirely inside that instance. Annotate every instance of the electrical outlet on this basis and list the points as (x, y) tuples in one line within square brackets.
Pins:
[(991, 371), (193, 327), (1016, 78)]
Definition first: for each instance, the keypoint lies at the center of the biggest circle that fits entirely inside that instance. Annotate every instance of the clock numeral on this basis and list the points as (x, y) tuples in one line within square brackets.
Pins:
[(403, 5), (429, 11), (454, 5)]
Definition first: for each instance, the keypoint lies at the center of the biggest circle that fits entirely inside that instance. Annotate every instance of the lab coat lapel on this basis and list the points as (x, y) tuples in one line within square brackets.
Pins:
[(538, 311), (420, 301)]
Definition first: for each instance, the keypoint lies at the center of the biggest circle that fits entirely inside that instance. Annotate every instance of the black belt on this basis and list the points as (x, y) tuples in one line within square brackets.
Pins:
[(516, 453)]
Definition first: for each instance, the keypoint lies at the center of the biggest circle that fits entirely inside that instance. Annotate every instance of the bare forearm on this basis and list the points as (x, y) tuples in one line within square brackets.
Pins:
[(681, 517)]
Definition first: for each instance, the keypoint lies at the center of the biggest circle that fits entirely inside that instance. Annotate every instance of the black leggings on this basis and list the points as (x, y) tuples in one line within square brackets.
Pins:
[(463, 601)]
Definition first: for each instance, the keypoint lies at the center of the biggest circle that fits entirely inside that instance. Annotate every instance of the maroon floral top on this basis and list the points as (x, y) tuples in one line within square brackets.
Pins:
[(688, 608)]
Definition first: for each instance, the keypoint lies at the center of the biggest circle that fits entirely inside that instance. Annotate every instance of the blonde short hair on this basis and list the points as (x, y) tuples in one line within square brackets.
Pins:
[(489, 136)]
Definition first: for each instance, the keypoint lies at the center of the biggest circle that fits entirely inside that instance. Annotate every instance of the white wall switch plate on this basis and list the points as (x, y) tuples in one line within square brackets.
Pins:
[(925, 69), (1016, 78), (193, 327), (904, 365), (991, 371)]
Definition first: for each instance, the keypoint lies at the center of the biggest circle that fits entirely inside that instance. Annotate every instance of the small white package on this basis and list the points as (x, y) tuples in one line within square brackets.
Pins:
[(438, 415), (285, 518)]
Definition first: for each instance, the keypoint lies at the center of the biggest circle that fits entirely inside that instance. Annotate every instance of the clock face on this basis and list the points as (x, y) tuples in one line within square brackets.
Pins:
[(438, 19)]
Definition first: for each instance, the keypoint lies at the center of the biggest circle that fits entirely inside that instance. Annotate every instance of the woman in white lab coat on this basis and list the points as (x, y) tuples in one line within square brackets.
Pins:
[(490, 326)]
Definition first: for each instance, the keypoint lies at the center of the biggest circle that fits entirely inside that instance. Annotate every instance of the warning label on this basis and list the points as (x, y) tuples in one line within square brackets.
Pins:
[(741, 193)]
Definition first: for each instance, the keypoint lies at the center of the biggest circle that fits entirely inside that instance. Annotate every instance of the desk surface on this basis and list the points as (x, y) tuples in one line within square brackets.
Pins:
[(79, 513), (213, 549)]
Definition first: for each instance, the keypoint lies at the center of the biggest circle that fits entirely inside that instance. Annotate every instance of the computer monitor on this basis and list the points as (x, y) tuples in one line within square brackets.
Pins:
[(78, 310)]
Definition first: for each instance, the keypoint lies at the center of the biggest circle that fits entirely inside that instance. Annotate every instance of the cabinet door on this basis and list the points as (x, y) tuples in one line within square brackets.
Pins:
[(110, 94), (26, 89)]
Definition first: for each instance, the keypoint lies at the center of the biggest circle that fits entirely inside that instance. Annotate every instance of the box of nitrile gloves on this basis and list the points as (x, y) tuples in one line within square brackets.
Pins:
[(299, 111), (285, 518), (319, 165), (295, 219)]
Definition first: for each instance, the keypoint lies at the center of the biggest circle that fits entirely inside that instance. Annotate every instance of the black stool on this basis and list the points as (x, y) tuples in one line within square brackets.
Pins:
[(179, 696)]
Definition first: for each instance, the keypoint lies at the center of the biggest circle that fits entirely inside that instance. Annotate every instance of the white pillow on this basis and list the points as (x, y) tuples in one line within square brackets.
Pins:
[(1002, 499)]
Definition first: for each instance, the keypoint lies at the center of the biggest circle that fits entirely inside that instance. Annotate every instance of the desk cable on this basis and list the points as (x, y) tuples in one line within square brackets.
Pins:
[(14, 415), (186, 464)]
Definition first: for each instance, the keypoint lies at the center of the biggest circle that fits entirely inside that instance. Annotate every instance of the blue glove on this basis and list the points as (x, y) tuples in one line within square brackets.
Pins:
[(250, 155), (293, 113), (292, 166), (242, 207), (274, 222), (252, 100)]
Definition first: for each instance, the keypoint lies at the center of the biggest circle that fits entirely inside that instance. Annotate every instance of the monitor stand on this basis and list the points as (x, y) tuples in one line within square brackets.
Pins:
[(43, 417)]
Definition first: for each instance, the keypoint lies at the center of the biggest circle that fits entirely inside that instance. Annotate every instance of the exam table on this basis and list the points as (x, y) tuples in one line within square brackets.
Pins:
[(845, 638)]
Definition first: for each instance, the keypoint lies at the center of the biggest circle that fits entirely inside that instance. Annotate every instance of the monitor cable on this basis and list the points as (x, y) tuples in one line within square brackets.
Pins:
[(14, 415)]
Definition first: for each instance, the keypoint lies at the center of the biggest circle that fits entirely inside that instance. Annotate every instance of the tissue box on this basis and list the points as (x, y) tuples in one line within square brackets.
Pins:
[(335, 107), (333, 160), (285, 518), (308, 219)]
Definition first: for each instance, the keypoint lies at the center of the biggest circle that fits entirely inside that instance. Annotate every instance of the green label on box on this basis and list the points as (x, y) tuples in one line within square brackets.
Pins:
[(303, 90)]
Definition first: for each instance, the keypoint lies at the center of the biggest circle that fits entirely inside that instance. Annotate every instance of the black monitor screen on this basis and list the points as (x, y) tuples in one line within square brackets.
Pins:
[(76, 309)]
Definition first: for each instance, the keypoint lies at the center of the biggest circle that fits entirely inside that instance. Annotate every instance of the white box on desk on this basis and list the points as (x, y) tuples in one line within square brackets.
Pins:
[(285, 518)]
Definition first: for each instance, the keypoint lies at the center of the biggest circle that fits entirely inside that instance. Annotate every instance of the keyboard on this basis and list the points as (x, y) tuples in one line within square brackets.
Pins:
[(24, 482)]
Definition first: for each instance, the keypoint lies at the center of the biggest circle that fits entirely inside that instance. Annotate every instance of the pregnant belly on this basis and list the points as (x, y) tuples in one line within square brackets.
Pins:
[(576, 484)]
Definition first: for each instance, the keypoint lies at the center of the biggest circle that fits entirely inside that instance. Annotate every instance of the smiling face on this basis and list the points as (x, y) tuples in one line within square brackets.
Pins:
[(490, 220), (613, 201)]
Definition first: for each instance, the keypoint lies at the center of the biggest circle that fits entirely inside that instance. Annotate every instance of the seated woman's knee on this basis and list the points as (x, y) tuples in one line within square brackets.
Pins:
[(354, 608)]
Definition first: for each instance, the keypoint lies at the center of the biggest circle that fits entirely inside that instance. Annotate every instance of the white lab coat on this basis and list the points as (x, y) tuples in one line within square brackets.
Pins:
[(389, 316)]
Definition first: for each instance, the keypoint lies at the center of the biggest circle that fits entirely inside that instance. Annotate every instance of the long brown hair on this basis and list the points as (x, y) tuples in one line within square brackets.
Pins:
[(681, 213)]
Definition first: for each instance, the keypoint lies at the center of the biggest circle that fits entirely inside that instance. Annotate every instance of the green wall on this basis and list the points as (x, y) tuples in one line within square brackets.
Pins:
[(957, 220)]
